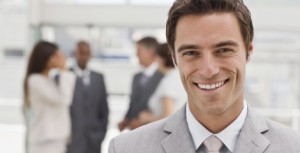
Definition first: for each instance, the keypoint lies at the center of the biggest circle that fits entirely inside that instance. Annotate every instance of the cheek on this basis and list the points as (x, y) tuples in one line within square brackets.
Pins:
[(236, 69), (188, 68), (143, 55), (86, 58), (185, 73), (241, 74), (183, 80), (235, 66), (52, 61)]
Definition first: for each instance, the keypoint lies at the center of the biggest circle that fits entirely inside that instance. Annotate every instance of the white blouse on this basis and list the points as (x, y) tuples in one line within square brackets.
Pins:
[(49, 106), (171, 87)]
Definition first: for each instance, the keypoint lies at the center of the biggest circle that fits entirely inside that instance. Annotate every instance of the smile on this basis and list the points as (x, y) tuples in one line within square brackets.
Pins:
[(211, 86)]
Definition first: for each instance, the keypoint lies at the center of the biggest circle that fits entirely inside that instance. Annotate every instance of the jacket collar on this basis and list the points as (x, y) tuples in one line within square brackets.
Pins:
[(250, 140), (179, 140)]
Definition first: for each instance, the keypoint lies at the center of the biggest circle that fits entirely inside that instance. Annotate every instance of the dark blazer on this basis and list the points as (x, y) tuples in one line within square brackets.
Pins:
[(140, 95), (171, 135), (89, 115)]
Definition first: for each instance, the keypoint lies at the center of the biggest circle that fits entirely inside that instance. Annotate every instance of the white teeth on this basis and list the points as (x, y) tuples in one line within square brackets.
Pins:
[(211, 86)]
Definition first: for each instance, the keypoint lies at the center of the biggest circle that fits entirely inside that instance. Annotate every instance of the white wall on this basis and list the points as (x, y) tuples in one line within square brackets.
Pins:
[(284, 18), (16, 18), (155, 16), (14, 25), (128, 16)]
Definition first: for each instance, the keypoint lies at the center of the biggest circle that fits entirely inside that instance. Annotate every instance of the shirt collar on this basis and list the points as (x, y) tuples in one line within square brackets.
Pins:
[(81, 73), (150, 70), (228, 136)]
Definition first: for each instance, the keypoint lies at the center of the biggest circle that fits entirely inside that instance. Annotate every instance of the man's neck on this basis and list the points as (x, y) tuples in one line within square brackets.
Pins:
[(81, 67), (215, 123), (147, 65)]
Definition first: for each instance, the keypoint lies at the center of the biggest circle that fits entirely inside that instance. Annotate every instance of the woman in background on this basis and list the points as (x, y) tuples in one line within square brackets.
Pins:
[(170, 94), (46, 103)]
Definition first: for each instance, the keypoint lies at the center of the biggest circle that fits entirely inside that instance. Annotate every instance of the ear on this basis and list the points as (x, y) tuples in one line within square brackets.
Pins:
[(250, 52), (150, 52)]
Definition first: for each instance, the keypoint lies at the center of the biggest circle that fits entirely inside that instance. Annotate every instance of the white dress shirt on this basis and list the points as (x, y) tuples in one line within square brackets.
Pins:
[(228, 136), (150, 70), (83, 74)]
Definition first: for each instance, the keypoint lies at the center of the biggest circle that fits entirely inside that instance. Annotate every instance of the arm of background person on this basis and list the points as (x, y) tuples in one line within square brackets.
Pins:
[(168, 109)]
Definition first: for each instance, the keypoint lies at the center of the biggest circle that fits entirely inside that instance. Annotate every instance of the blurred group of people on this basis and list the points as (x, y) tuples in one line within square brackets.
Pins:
[(156, 91), (68, 112)]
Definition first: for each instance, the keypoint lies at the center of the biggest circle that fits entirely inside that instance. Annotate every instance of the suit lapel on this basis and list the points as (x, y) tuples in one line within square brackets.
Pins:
[(251, 139), (179, 140)]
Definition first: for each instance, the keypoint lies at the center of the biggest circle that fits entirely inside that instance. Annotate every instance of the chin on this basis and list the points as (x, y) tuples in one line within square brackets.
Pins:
[(214, 107), (216, 111)]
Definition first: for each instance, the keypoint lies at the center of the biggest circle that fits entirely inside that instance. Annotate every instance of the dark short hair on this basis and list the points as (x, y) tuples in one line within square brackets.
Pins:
[(149, 42), (182, 8), (163, 51), (82, 42)]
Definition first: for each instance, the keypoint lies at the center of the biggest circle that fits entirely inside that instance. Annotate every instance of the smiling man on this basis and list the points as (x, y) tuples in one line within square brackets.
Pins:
[(211, 43), (211, 60)]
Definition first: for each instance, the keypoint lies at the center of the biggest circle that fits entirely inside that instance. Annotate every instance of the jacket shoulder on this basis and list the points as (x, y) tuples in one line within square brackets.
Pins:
[(99, 74), (282, 138), (280, 131), (141, 139)]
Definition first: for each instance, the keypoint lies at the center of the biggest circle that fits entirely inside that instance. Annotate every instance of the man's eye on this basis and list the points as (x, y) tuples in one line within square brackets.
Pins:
[(190, 53), (224, 51)]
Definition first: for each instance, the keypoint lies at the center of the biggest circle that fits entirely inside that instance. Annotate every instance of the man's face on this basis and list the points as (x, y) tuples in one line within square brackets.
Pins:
[(211, 58), (144, 54), (83, 55)]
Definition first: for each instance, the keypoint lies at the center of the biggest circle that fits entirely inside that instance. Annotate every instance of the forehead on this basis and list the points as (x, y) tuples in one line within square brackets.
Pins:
[(141, 47), (207, 29), (83, 48)]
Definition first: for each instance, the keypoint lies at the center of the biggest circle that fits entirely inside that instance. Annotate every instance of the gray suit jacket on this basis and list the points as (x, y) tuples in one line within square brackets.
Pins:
[(140, 95), (172, 135), (89, 115)]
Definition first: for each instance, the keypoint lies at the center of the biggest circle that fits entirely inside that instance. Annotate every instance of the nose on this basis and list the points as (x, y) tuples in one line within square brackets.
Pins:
[(209, 66)]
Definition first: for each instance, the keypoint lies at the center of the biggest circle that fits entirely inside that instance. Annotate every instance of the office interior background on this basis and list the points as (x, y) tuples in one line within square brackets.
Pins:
[(112, 26)]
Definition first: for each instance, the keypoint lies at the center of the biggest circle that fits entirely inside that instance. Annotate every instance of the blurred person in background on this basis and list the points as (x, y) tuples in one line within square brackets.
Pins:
[(46, 104), (89, 109), (144, 83), (170, 94)]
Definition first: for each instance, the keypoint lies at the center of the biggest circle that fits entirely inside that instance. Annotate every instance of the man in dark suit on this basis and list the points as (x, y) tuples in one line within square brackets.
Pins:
[(89, 110), (144, 83)]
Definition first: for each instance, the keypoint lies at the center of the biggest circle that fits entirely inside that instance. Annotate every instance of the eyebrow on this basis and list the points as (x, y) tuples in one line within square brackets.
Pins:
[(220, 44), (187, 46), (226, 43)]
